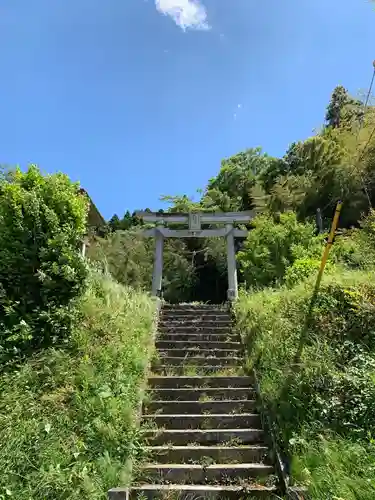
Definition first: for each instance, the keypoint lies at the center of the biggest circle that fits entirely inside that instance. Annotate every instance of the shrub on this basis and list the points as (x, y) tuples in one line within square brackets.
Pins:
[(271, 247), (300, 270), (42, 221), (129, 257)]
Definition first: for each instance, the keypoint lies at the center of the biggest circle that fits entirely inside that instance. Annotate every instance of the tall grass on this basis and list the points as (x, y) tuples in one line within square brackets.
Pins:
[(324, 408), (68, 415)]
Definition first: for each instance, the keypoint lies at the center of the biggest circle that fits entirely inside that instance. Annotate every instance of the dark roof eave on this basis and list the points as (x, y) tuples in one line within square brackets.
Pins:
[(94, 217)]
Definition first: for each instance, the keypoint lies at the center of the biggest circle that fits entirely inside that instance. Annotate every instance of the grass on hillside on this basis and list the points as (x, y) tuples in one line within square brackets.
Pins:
[(68, 416), (324, 409)]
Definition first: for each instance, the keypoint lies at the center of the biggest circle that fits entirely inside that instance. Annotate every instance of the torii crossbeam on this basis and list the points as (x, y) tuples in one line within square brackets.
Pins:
[(195, 220)]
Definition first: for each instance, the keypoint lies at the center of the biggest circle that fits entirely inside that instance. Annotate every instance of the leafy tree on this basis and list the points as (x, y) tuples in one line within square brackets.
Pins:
[(231, 189), (342, 109), (114, 223), (42, 222), (272, 246), (129, 257), (180, 204)]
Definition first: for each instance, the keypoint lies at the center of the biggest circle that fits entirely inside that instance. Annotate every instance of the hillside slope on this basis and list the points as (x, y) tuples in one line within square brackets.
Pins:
[(324, 408), (68, 414)]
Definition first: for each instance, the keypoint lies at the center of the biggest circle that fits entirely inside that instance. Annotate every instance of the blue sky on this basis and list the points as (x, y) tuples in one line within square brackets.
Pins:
[(139, 98)]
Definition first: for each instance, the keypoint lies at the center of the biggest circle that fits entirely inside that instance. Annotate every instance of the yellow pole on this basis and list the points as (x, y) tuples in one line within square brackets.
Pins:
[(318, 281), (328, 244)]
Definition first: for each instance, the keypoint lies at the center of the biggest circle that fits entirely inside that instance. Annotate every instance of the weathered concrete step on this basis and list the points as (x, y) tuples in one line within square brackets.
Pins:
[(201, 360), (213, 421), (195, 307), (220, 454), (200, 382), (193, 321), (198, 407), (189, 369), (193, 492), (194, 473), (190, 351), (199, 394), (188, 314), (193, 329), (201, 337), (184, 345), (204, 436)]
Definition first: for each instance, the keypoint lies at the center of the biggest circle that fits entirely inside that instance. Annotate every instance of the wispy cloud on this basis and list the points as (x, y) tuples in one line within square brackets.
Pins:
[(187, 14)]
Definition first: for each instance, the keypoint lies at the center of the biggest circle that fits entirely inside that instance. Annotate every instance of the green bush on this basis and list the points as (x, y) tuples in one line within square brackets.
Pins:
[(129, 257), (300, 270), (42, 221), (272, 246), (330, 395), (68, 416)]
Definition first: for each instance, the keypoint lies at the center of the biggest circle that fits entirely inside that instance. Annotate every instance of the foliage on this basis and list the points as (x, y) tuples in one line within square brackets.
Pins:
[(342, 109), (127, 222), (272, 246), (68, 415), (129, 257), (355, 248), (231, 189), (300, 270), (42, 222), (336, 468), (327, 402)]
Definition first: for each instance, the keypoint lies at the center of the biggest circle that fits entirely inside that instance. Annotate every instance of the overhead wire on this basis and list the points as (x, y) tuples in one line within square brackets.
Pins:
[(361, 123)]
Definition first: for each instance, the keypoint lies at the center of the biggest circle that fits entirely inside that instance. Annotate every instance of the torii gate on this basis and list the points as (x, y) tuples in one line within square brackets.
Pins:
[(195, 221)]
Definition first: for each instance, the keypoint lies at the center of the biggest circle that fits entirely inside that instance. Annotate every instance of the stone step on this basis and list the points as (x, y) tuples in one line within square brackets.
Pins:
[(198, 315), (200, 382), (193, 492), (195, 307), (194, 322), (204, 436), (201, 337), (163, 345), (201, 360), (213, 421), (190, 351), (199, 407), (200, 454), (194, 473), (190, 369), (202, 394), (193, 329)]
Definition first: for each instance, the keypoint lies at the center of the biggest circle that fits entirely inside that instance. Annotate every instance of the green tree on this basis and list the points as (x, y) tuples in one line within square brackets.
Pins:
[(232, 188), (272, 246), (129, 257), (342, 108), (42, 222), (114, 223)]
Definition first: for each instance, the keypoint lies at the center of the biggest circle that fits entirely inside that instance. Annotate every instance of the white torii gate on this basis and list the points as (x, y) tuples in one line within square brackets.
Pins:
[(195, 221)]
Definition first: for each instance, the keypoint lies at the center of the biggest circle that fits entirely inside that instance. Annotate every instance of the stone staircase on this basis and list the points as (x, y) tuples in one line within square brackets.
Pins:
[(206, 438)]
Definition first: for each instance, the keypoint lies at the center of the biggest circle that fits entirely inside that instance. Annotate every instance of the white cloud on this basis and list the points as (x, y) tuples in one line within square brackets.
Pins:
[(185, 13)]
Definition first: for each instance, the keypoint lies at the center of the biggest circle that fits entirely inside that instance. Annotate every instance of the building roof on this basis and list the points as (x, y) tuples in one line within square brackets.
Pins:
[(94, 218)]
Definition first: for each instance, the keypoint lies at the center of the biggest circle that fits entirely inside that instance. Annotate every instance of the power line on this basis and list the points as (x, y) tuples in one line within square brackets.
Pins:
[(370, 88), (362, 119)]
